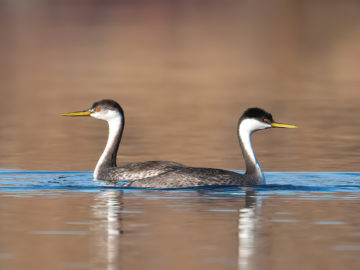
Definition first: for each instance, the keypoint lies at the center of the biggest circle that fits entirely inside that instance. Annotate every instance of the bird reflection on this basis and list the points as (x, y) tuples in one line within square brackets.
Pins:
[(107, 228), (106, 208), (248, 221)]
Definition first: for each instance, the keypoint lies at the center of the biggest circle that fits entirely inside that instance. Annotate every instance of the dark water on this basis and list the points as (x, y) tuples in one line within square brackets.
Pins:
[(184, 71), (66, 220)]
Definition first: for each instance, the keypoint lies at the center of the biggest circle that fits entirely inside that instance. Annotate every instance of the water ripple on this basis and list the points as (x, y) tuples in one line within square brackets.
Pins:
[(309, 185)]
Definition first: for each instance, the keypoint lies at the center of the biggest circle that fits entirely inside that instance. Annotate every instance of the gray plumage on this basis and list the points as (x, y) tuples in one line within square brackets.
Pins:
[(183, 177), (137, 170)]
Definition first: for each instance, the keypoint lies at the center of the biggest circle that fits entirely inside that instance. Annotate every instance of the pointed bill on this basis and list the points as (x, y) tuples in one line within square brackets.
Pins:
[(278, 125), (82, 113)]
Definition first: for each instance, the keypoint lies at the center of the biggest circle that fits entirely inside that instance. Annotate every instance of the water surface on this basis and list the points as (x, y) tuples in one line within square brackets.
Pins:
[(66, 220)]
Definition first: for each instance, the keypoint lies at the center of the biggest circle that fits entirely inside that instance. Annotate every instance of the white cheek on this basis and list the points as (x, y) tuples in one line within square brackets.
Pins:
[(107, 115), (95, 115), (250, 125)]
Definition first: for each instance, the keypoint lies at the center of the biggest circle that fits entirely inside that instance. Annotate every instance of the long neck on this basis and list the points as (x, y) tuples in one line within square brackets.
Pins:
[(108, 157), (253, 168)]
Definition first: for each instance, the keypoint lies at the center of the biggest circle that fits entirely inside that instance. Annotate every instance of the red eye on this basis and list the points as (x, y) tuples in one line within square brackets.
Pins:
[(97, 109), (266, 120)]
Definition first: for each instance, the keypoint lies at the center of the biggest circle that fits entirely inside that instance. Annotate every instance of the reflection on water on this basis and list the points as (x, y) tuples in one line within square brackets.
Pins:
[(107, 228), (249, 216)]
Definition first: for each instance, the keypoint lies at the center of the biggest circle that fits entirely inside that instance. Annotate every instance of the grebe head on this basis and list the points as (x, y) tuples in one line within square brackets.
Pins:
[(254, 119), (105, 109)]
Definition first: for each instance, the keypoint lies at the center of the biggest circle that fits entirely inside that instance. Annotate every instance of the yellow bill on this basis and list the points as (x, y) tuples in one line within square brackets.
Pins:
[(82, 113), (278, 125)]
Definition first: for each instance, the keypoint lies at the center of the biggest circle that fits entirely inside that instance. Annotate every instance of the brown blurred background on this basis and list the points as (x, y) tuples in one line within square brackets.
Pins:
[(183, 71)]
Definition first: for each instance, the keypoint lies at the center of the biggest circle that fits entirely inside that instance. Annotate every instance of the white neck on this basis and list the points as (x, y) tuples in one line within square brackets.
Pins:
[(246, 128), (115, 124)]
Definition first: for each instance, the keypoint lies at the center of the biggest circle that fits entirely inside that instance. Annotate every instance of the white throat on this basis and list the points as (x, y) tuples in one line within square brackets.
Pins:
[(115, 121), (246, 128)]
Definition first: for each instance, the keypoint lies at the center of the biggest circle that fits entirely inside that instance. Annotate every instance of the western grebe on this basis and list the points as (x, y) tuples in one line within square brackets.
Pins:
[(252, 120), (106, 168)]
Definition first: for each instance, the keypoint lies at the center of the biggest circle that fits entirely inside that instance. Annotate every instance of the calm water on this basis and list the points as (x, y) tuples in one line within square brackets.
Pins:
[(65, 220), (184, 71)]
